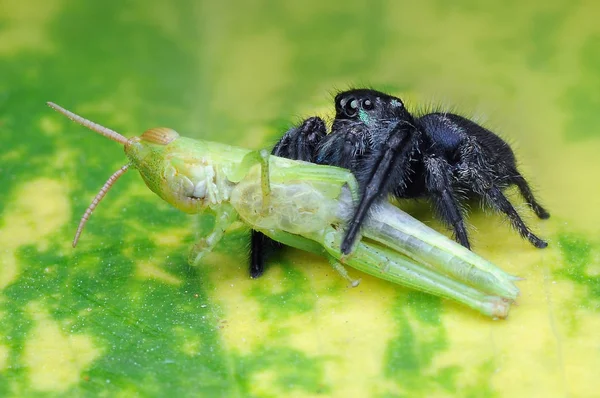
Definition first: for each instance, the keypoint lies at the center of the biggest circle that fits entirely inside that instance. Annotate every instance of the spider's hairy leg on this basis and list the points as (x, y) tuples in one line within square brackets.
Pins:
[(298, 143), (258, 246), (521, 183), (345, 146), (479, 174), (497, 199), (438, 181), (386, 169)]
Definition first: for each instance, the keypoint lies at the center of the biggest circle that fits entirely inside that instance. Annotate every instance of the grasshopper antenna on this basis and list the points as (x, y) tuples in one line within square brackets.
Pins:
[(88, 212), (108, 133)]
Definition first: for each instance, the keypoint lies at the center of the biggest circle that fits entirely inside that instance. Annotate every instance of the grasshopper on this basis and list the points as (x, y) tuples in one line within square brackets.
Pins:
[(305, 206)]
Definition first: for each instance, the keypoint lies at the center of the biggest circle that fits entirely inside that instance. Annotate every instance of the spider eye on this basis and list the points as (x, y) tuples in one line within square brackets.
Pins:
[(351, 107), (367, 105)]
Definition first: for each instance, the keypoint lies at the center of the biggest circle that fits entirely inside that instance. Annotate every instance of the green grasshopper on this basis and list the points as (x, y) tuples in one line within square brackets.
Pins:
[(305, 206)]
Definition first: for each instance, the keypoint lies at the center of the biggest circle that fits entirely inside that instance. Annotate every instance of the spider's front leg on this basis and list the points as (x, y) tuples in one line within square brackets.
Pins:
[(298, 143), (346, 146), (382, 170)]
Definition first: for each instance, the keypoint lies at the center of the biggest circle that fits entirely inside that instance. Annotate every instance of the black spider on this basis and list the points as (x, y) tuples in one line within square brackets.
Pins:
[(441, 156)]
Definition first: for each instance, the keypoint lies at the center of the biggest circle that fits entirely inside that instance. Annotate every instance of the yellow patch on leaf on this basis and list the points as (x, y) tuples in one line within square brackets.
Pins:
[(245, 329), (51, 126), (356, 340), (149, 270), (24, 26), (55, 358), (3, 357), (38, 209)]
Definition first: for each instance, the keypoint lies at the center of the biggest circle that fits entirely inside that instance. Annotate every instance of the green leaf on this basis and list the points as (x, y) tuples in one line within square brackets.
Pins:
[(124, 315)]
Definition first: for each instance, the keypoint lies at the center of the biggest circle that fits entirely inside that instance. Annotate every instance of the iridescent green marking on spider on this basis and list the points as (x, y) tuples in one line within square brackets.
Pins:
[(364, 116)]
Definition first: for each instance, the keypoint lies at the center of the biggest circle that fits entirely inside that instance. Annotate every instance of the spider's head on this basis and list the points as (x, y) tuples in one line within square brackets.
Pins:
[(368, 106)]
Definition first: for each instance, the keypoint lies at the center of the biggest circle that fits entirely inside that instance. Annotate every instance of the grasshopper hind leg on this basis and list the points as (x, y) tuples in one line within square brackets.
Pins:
[(298, 143)]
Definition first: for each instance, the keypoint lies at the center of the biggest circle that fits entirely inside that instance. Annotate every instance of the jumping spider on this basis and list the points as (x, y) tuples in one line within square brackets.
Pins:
[(441, 156)]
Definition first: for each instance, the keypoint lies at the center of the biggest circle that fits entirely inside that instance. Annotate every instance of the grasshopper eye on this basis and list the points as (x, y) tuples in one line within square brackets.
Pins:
[(159, 135)]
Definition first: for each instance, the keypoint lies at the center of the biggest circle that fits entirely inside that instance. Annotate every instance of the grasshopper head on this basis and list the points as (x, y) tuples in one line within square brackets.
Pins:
[(169, 170), (155, 154)]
